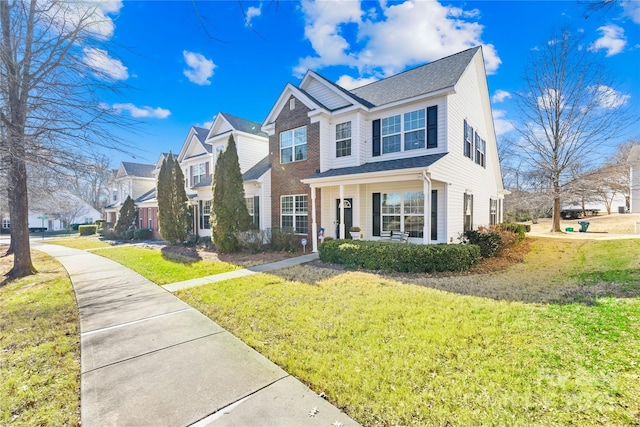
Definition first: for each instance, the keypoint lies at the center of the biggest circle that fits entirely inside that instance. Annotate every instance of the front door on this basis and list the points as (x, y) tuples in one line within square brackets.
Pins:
[(348, 217)]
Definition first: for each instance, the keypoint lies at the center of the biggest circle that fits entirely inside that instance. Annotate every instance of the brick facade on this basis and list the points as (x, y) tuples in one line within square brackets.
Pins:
[(285, 178)]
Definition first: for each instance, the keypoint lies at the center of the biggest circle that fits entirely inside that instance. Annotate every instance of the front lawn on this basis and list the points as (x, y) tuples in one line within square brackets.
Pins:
[(39, 348), (160, 269), (392, 353), (79, 242)]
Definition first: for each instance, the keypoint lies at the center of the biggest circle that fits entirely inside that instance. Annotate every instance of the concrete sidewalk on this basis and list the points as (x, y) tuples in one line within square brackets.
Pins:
[(149, 359)]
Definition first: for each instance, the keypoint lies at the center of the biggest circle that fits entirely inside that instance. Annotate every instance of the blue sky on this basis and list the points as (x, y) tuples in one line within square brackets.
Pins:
[(186, 61)]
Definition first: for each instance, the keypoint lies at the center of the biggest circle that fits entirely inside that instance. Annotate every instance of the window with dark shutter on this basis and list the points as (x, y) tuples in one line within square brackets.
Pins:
[(256, 211), (376, 138)]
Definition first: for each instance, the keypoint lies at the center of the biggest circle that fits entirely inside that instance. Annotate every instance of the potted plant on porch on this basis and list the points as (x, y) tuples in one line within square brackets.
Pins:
[(355, 232)]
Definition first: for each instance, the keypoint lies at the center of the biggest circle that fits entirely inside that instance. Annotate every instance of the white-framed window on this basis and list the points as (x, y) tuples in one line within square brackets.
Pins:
[(414, 127), (343, 139), (294, 213), (403, 212), (6, 223), (149, 218), (199, 173), (412, 130), (468, 140), (480, 150), (250, 207), (205, 214), (468, 211), (186, 177), (293, 145), (115, 195), (493, 211), (391, 134)]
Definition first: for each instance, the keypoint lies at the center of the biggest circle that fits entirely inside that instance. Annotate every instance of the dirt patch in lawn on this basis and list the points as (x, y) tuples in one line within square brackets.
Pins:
[(179, 252)]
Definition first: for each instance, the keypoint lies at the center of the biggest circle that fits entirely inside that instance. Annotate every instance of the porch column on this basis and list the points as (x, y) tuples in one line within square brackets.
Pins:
[(426, 190), (341, 219), (314, 225)]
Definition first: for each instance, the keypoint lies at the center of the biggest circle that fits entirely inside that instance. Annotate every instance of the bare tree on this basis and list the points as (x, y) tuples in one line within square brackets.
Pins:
[(52, 72), (569, 110), (91, 183)]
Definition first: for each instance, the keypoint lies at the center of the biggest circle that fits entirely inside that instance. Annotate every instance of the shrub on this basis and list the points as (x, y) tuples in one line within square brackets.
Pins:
[(391, 256), (283, 239), (142, 234), (127, 234), (252, 241), (489, 241), (108, 233), (87, 230), (519, 229)]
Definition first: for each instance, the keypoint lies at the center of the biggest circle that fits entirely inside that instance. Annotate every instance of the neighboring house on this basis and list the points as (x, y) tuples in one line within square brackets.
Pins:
[(61, 209), (198, 157), (415, 153), (130, 179), (634, 191)]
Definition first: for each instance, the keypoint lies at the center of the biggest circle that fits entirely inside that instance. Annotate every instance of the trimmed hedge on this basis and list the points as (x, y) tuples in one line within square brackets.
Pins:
[(142, 234), (87, 230), (519, 229), (488, 242), (400, 257)]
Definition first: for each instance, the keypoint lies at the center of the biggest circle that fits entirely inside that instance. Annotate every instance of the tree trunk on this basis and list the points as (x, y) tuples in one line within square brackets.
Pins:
[(555, 227), (19, 217)]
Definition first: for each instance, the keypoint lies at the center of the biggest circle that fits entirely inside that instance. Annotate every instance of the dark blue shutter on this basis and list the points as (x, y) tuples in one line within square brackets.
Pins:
[(376, 137), (376, 214), (256, 211), (432, 127)]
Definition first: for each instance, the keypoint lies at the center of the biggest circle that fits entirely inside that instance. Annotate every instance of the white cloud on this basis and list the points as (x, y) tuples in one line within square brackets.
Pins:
[(140, 112), (500, 123), (387, 40), (201, 68), (103, 65), (613, 40), (500, 96), (252, 12), (632, 10), (92, 16), (610, 98), (349, 82)]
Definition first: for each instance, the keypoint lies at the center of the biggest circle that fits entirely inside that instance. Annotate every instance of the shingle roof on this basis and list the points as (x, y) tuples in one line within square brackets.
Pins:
[(385, 166), (257, 170), (427, 78), (151, 194), (244, 125), (205, 182), (138, 169)]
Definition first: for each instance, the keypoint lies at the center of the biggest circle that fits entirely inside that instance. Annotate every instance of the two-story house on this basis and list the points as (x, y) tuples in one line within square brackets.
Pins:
[(198, 157), (415, 153), (136, 180)]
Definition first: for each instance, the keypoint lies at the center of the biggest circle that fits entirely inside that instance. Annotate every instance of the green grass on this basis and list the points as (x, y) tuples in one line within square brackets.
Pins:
[(79, 242), (39, 348), (390, 353), (159, 269)]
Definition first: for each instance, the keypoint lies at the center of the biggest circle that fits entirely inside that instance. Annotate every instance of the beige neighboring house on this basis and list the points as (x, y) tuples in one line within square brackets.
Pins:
[(131, 179), (634, 191)]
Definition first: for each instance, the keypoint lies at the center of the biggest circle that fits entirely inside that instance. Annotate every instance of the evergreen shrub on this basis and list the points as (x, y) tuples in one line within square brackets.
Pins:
[(87, 230), (400, 257), (142, 234)]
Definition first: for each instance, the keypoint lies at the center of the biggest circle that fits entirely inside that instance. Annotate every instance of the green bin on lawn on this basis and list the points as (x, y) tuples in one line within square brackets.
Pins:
[(583, 226)]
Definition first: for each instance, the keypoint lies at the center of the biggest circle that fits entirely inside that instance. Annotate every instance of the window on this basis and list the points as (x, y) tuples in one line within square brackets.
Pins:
[(493, 211), (410, 131), (115, 195), (249, 202), (343, 139), (391, 134), (294, 213), (414, 130), (186, 178), (253, 207), (150, 218), (468, 211), (468, 140), (403, 212), (293, 145), (205, 214), (199, 173), (480, 149), (6, 223)]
